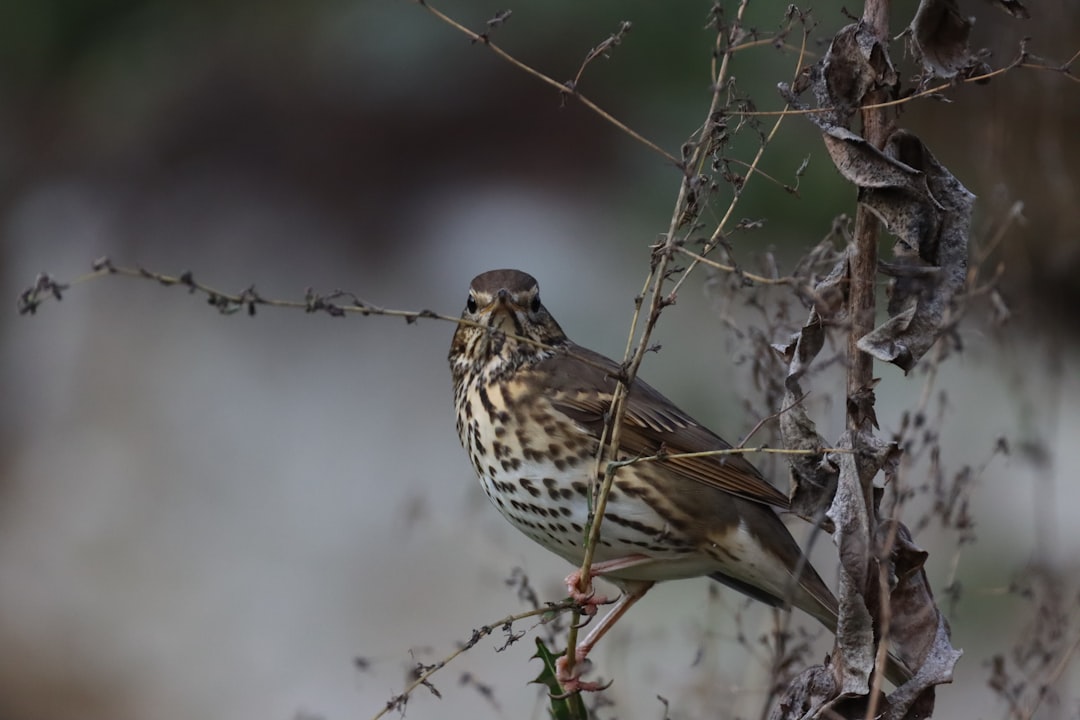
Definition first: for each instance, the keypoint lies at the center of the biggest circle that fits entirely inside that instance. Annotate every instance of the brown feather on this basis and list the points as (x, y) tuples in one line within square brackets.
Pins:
[(652, 424)]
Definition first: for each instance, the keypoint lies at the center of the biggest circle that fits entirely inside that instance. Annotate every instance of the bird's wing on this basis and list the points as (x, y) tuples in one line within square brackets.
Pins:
[(653, 425)]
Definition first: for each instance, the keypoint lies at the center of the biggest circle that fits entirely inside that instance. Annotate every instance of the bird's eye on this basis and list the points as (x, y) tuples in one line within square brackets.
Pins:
[(535, 307), (471, 304)]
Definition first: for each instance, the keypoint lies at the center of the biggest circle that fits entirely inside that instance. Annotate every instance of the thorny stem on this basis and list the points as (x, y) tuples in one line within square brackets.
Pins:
[(632, 361)]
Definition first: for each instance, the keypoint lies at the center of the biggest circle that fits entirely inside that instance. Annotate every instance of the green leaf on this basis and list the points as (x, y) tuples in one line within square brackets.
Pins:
[(561, 708)]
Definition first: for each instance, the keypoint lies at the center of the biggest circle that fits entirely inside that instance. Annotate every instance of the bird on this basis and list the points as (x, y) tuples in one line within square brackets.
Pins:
[(531, 410)]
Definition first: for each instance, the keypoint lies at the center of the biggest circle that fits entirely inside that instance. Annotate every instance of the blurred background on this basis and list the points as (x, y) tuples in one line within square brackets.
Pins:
[(210, 516)]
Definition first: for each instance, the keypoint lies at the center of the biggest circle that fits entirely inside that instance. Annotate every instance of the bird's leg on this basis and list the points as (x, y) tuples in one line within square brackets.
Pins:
[(567, 674), (586, 596)]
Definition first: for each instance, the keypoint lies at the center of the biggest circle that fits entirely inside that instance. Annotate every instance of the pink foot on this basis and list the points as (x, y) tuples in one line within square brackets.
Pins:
[(569, 679), (588, 600)]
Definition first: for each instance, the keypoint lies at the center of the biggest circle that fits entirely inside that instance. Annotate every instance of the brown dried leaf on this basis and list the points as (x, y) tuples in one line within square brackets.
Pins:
[(807, 694), (865, 166), (813, 476), (855, 64), (860, 404), (917, 628), (919, 633), (916, 198), (929, 211), (855, 651), (938, 38), (856, 632), (931, 252)]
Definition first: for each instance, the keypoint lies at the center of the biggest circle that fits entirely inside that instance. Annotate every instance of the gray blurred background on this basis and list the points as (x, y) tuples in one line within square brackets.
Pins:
[(208, 516)]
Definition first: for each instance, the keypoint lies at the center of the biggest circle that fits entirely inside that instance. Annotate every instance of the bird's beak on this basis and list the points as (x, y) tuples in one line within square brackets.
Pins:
[(505, 309), (504, 302)]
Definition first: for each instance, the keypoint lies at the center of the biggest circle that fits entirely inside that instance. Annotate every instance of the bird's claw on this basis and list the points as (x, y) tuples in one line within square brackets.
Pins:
[(587, 600), (570, 682)]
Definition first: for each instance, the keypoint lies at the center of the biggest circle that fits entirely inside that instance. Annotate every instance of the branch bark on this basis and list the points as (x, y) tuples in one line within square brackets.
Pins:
[(864, 261)]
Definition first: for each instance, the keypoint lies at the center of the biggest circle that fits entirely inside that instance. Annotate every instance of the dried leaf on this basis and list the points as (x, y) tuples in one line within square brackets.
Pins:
[(929, 211), (855, 64), (855, 651), (865, 166), (807, 694), (917, 199), (860, 404), (856, 631), (813, 476), (938, 38), (919, 634), (931, 252)]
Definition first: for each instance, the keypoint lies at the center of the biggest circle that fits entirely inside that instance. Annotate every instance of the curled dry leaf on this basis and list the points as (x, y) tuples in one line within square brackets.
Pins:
[(855, 64), (918, 200), (807, 694), (929, 211), (855, 647), (938, 38), (918, 632), (860, 404), (813, 476), (931, 218)]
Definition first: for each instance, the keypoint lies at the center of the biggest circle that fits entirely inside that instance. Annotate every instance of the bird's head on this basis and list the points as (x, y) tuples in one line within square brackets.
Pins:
[(505, 307)]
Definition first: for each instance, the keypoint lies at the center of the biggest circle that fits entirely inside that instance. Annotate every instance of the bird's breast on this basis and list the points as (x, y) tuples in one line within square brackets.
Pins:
[(535, 465)]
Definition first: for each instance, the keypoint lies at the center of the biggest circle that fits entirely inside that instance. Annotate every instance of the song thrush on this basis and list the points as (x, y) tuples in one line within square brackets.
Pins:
[(530, 415)]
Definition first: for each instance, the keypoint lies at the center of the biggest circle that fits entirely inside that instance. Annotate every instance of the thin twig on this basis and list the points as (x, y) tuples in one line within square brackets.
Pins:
[(936, 90), (548, 80), (601, 50), (718, 233), (662, 457), (632, 361), (1052, 678), (759, 279), (47, 288), (397, 702)]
